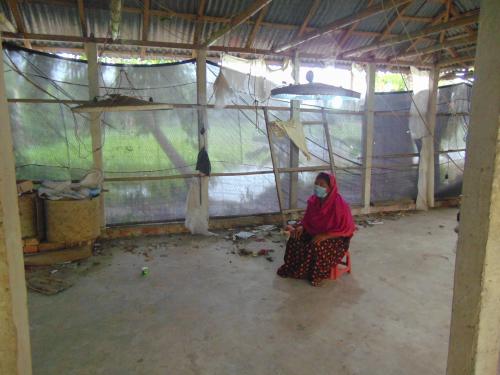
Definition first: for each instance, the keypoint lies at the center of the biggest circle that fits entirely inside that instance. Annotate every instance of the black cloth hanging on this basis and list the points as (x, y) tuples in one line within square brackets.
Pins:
[(203, 163)]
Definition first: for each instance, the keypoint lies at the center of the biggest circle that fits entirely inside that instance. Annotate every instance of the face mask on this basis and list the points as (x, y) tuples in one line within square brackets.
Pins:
[(320, 191)]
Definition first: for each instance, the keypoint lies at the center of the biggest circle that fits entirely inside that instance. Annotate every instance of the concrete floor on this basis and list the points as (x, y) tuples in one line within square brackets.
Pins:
[(204, 310)]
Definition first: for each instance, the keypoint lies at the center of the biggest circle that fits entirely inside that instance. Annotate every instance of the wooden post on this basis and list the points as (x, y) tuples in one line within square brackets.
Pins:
[(475, 324), (431, 123), (328, 141), (15, 352), (95, 119), (294, 150), (275, 162), (201, 95), (368, 125)]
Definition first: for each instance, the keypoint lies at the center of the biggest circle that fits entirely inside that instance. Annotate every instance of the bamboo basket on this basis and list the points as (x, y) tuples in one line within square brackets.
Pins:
[(72, 221), (27, 215)]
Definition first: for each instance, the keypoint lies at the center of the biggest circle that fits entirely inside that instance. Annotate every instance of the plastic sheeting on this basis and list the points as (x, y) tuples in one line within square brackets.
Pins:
[(395, 154), (51, 143), (452, 125)]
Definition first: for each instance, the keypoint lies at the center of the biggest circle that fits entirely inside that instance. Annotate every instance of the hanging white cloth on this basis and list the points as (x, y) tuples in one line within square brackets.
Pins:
[(419, 131), (252, 77), (294, 130)]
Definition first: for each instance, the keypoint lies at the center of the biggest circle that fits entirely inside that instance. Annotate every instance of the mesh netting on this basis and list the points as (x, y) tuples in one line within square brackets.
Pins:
[(49, 142), (52, 143), (452, 125), (395, 155), (45, 77)]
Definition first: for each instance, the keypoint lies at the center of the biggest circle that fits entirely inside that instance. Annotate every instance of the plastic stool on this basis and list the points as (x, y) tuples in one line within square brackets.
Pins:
[(342, 267)]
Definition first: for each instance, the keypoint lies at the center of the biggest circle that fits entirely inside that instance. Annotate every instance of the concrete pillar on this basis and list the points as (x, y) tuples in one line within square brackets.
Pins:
[(294, 150), (475, 323), (15, 352), (95, 118), (368, 126)]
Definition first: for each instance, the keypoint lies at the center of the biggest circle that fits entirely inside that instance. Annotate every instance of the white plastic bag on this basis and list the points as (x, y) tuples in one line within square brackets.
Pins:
[(197, 207)]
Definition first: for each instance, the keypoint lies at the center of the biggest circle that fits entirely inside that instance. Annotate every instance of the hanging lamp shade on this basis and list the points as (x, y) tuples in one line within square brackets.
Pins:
[(313, 91), (120, 103)]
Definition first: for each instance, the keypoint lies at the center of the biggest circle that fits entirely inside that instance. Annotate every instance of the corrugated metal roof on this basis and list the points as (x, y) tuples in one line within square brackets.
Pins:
[(61, 17)]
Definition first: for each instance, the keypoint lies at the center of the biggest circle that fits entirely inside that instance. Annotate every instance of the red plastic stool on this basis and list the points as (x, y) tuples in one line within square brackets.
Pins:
[(342, 267)]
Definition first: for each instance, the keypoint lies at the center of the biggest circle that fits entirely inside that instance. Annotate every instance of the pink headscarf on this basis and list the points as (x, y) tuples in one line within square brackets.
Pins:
[(332, 216)]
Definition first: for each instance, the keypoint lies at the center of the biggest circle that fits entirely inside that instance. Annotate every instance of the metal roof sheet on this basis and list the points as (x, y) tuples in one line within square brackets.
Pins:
[(61, 17)]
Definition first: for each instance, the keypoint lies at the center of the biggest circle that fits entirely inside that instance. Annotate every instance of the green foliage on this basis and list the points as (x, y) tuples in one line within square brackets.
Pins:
[(385, 82)]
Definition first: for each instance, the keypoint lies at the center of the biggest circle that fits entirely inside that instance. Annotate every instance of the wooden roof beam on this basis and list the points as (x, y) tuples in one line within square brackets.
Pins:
[(199, 24), (207, 19), (454, 61), (312, 11), (397, 18), (256, 26), (182, 46), (236, 21), (345, 37), (341, 23), (81, 15), (471, 18), (438, 47), (145, 24), (18, 18)]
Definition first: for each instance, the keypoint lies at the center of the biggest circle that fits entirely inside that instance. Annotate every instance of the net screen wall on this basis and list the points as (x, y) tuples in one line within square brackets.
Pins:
[(53, 143)]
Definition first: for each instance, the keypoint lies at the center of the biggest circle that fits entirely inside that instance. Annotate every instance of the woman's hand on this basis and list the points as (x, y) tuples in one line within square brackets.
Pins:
[(320, 238), (297, 233)]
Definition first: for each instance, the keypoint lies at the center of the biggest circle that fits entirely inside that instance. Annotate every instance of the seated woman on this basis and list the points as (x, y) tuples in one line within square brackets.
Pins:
[(321, 239)]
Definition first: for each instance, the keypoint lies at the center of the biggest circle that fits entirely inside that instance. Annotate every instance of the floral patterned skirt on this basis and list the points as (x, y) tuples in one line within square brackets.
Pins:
[(306, 260)]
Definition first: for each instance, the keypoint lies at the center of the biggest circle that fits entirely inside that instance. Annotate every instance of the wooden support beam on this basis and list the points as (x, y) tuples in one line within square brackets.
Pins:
[(312, 11), (145, 24), (95, 119), (436, 20), (189, 46), (464, 59), (236, 21), (275, 162), (352, 29), (81, 15), (116, 18), (256, 27), (18, 18), (457, 22), (368, 129), (438, 47), (397, 18), (446, 18), (341, 23), (431, 124), (199, 25), (294, 150), (416, 19)]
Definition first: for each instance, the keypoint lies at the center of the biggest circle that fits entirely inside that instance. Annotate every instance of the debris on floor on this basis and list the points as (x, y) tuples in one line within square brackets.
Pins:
[(378, 219), (245, 252), (243, 236), (260, 253), (48, 284)]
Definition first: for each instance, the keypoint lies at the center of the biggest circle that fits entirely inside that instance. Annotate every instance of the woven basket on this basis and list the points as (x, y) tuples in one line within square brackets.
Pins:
[(27, 215), (72, 221)]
